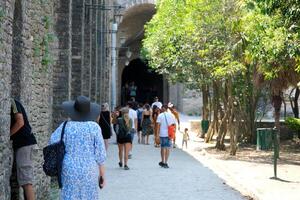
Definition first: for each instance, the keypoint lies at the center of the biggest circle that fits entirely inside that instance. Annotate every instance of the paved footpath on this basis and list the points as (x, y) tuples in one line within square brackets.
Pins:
[(186, 179)]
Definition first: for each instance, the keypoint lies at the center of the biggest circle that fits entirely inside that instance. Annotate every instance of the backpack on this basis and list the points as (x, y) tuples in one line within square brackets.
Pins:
[(122, 130)]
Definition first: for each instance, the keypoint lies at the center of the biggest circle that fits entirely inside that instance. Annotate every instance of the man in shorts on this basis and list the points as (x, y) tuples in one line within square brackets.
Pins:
[(23, 142), (164, 120)]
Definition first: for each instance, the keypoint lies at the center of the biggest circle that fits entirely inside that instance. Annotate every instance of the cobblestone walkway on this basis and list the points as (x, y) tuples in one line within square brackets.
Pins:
[(186, 179)]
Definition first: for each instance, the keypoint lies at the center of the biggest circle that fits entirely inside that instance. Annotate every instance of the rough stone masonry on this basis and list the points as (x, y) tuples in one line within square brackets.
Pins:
[(46, 57), (52, 51)]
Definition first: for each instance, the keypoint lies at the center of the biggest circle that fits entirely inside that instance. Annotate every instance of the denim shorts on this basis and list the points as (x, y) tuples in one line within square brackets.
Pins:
[(132, 132), (165, 142)]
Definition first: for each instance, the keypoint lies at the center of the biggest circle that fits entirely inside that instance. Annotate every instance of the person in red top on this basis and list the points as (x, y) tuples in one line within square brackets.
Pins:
[(176, 115)]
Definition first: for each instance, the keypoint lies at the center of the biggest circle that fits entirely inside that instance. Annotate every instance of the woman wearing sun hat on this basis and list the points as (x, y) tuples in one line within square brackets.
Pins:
[(83, 162)]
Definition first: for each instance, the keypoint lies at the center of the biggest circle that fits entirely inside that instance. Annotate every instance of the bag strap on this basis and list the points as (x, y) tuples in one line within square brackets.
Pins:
[(101, 115), (63, 131), (166, 119)]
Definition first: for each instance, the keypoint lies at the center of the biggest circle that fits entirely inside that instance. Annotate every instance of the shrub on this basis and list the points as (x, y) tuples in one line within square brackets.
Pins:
[(293, 123)]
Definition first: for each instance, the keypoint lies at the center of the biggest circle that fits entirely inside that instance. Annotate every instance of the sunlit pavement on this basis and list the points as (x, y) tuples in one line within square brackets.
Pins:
[(186, 179)]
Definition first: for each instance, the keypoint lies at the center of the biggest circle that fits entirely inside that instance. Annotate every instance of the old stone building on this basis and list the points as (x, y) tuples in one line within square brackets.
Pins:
[(55, 50)]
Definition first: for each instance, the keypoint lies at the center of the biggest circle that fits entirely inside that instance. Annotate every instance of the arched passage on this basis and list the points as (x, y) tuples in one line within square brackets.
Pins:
[(129, 42), (149, 83)]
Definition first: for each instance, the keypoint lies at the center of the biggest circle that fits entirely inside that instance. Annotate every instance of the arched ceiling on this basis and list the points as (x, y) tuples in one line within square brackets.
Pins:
[(131, 29)]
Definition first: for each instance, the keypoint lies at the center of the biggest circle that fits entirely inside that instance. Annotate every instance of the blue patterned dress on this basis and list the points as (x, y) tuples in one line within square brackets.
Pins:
[(85, 151)]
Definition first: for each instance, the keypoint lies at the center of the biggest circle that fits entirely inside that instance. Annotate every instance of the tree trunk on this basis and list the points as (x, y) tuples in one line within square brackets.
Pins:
[(224, 116), (277, 101), (251, 99), (231, 125), (294, 101), (214, 125), (222, 133), (284, 108), (205, 108), (296, 106)]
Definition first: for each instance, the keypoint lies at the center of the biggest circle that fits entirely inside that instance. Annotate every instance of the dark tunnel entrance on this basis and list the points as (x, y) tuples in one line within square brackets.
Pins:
[(148, 83)]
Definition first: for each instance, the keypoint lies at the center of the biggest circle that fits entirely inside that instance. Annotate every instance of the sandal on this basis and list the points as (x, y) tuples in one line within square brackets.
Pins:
[(126, 167), (120, 164)]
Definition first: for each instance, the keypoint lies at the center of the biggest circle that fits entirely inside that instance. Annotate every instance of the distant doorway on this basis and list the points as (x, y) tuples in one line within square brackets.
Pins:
[(149, 83)]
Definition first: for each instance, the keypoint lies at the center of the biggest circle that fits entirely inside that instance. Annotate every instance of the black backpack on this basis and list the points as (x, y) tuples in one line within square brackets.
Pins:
[(122, 131), (53, 157)]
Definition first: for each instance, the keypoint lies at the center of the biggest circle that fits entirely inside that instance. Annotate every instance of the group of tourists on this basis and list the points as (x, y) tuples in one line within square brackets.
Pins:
[(85, 135)]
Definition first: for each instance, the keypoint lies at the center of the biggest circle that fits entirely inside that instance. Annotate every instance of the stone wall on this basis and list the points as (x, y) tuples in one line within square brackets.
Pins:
[(51, 51), (62, 67), (6, 16), (191, 102), (26, 74)]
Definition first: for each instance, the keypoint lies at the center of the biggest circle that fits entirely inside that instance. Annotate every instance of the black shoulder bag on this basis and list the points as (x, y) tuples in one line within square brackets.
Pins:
[(53, 157)]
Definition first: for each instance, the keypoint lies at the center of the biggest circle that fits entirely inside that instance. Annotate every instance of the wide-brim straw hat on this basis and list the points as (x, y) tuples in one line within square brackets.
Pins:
[(81, 109)]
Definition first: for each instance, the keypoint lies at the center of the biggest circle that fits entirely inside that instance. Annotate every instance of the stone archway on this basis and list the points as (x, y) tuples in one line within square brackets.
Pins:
[(129, 40), (148, 83)]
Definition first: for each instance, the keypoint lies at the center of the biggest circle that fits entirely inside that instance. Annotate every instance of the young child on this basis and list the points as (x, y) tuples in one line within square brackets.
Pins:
[(185, 137)]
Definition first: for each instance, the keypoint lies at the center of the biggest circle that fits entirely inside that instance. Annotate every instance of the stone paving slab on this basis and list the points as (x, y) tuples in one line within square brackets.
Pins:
[(186, 179)]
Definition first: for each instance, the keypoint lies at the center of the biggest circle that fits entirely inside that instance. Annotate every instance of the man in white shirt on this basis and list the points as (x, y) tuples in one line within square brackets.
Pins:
[(156, 103), (164, 120), (133, 116)]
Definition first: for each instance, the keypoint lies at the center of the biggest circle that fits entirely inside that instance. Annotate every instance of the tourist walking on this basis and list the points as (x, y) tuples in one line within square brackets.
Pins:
[(104, 121), (164, 120), (139, 113), (23, 142), (147, 126), (83, 163), (156, 103), (114, 118), (155, 113), (175, 113), (124, 126), (133, 116)]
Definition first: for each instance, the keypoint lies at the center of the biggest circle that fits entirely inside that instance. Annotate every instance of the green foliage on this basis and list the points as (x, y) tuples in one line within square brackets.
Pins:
[(197, 41), (43, 44), (193, 41), (271, 46), (293, 123)]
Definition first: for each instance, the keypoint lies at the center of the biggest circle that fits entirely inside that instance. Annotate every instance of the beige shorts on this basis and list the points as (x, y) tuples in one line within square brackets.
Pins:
[(24, 165)]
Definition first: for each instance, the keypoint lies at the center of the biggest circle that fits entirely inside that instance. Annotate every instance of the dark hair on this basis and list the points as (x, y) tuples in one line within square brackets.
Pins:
[(186, 129), (165, 106), (147, 106), (130, 104)]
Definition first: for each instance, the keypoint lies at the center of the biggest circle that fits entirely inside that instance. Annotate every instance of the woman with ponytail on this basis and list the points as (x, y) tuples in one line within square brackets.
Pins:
[(124, 126)]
